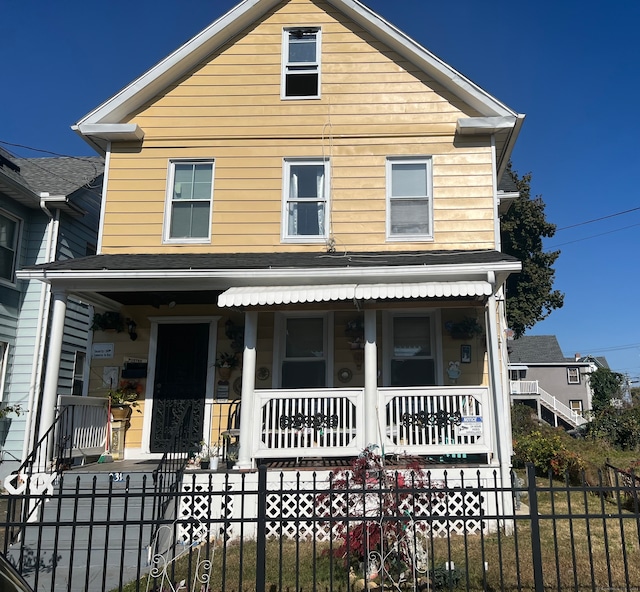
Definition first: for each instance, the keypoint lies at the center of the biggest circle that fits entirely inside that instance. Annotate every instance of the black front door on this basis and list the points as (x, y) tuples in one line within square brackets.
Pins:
[(179, 386)]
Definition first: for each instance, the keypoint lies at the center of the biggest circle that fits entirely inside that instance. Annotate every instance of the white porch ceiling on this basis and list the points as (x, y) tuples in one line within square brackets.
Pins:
[(268, 295)]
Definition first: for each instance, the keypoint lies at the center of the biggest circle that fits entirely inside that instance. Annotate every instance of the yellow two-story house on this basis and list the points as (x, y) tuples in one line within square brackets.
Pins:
[(302, 193)]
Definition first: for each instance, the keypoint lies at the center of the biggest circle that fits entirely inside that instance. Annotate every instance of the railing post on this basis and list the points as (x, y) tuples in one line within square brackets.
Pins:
[(536, 550), (261, 533)]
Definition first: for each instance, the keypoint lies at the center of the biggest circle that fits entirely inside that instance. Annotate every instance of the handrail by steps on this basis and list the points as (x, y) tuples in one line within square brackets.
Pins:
[(561, 409)]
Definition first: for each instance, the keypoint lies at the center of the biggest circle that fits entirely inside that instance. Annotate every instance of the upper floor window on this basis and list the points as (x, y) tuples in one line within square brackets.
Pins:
[(573, 375), (301, 63), (409, 202), (188, 215), (305, 199), (8, 246)]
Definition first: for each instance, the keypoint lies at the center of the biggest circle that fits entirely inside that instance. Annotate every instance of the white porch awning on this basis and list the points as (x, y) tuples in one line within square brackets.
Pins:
[(267, 295)]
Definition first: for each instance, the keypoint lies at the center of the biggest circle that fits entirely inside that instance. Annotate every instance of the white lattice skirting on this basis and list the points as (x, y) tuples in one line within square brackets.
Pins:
[(298, 514)]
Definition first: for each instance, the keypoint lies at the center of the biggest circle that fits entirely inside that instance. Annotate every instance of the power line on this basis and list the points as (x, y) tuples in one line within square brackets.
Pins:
[(592, 236), (598, 219)]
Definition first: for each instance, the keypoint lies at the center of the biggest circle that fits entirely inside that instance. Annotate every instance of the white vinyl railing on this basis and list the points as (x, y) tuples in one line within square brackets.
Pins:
[(84, 426), (524, 387), (308, 422), (560, 409), (435, 420), (330, 422)]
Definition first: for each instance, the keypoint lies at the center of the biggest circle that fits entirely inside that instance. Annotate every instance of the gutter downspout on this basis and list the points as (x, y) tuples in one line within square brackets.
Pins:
[(43, 316)]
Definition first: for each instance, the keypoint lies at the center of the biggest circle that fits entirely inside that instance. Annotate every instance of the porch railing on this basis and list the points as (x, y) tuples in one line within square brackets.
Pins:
[(308, 422), (82, 430), (524, 387), (435, 420), (330, 422)]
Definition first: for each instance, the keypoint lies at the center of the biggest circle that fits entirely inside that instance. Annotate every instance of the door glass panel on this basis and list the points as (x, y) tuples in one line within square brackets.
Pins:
[(412, 362)]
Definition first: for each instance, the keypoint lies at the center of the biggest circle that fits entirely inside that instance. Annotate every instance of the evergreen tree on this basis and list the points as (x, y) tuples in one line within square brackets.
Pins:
[(530, 293)]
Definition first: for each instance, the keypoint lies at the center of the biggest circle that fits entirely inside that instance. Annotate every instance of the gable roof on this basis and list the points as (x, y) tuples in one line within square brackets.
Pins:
[(535, 349), (104, 123), (545, 349)]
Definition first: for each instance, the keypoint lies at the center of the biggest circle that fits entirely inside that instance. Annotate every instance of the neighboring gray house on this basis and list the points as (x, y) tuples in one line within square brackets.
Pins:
[(556, 386), (49, 210)]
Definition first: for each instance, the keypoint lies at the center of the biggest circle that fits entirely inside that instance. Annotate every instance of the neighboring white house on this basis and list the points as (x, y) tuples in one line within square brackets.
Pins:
[(49, 211)]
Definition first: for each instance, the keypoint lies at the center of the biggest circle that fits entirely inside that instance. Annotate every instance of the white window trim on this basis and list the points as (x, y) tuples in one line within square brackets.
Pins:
[(280, 330), (387, 340), (428, 160), (83, 372), (4, 362), (286, 177), (167, 239), (16, 247), (579, 411), (317, 66), (570, 379)]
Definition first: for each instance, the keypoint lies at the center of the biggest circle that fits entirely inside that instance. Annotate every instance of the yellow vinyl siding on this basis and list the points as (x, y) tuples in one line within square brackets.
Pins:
[(374, 105)]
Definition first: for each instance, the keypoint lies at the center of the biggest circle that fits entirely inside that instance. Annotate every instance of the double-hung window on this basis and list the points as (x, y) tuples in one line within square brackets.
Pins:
[(573, 375), (305, 200), (301, 63), (8, 246), (188, 215), (409, 199)]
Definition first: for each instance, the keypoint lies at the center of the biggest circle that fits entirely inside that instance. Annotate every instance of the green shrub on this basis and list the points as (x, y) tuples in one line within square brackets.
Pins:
[(548, 452)]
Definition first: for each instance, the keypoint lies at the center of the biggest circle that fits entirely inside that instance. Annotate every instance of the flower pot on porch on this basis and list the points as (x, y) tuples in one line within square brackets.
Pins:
[(224, 373), (121, 412), (204, 464)]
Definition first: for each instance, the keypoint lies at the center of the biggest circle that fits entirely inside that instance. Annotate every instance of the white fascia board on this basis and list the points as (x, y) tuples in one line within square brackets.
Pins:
[(199, 279), (450, 78), (472, 126), (181, 61), (510, 144), (177, 63), (112, 131)]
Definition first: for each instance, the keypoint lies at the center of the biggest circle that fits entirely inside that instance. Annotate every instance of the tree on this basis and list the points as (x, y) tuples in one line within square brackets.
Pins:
[(605, 386), (530, 293)]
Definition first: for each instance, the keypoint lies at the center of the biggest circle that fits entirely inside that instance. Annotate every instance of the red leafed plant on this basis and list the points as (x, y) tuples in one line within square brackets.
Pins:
[(382, 538)]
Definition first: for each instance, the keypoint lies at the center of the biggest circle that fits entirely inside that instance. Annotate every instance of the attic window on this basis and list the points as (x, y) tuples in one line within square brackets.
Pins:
[(301, 64)]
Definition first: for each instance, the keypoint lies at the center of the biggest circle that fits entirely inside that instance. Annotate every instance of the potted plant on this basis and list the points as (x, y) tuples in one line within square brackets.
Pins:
[(123, 398), (467, 328), (5, 422), (208, 457), (225, 363), (107, 321)]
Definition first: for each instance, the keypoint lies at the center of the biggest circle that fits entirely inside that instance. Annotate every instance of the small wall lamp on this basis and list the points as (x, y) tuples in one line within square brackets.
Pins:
[(131, 329)]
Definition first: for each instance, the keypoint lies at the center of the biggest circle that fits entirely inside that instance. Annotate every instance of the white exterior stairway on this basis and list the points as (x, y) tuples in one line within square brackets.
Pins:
[(559, 409)]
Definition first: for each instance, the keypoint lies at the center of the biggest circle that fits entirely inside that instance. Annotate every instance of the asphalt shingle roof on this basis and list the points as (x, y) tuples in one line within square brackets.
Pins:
[(59, 175), (535, 349), (177, 261)]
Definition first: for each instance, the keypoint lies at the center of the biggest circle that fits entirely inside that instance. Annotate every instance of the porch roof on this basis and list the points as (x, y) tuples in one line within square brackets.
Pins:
[(201, 277), (264, 295)]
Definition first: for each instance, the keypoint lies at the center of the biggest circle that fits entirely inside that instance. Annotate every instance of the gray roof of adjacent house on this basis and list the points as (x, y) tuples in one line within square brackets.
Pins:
[(61, 175), (544, 349), (535, 349), (25, 179)]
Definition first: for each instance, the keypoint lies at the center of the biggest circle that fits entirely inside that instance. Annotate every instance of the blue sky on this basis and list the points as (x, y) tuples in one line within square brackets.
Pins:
[(572, 66)]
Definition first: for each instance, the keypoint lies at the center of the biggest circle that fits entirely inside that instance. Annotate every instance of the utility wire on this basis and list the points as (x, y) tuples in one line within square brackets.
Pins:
[(598, 219), (592, 236)]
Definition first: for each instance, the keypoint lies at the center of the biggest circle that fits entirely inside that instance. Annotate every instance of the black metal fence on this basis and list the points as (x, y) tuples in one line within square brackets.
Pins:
[(392, 531)]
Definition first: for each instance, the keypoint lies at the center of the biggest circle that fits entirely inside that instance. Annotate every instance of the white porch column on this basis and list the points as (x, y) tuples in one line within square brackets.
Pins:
[(248, 385), (502, 410), (371, 415), (47, 410)]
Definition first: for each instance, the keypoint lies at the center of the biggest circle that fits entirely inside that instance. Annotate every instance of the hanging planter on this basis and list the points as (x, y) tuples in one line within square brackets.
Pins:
[(467, 328), (107, 321)]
